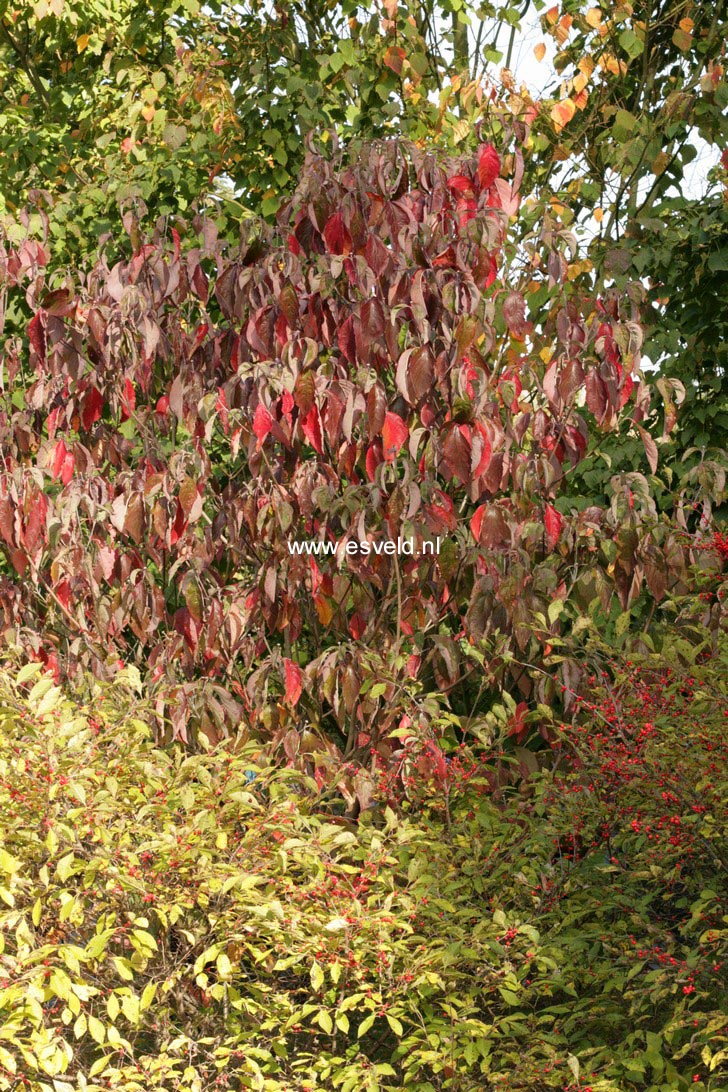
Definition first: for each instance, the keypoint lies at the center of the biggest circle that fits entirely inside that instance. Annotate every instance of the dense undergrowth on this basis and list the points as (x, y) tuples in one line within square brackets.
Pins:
[(177, 921)]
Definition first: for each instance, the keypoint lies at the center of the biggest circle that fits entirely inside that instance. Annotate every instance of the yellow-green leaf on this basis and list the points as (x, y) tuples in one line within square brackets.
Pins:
[(97, 1031)]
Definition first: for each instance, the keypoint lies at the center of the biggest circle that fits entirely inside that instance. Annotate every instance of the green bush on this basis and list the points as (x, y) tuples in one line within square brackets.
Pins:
[(177, 922)]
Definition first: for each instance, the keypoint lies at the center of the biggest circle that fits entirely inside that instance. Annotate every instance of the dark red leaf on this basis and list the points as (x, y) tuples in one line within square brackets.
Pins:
[(92, 409), (337, 235), (376, 408), (37, 336)]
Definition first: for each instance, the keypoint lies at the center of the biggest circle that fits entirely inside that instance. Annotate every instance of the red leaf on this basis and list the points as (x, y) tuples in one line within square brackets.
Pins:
[(63, 593), (222, 410), (376, 255), (37, 337), (553, 521), (446, 259), (178, 527), (488, 166), (162, 406), (262, 423), (482, 439), (373, 459), (294, 682), (394, 434), (311, 425), (336, 235), (92, 409), (461, 185), (596, 395), (59, 455), (52, 422), (476, 522), (347, 340), (413, 665), (67, 469), (128, 400)]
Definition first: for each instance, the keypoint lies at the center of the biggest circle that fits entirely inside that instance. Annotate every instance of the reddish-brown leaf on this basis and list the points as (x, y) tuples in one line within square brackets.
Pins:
[(457, 455)]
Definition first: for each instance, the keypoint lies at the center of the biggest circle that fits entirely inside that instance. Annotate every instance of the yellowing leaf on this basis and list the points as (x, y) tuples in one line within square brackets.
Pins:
[(598, 215), (687, 25), (64, 868), (395, 1025), (365, 1025), (123, 968), (224, 966), (8, 864), (317, 976), (539, 51), (335, 925), (594, 17), (562, 113), (660, 162), (100, 1065), (97, 1031), (82, 42), (682, 40), (324, 1021)]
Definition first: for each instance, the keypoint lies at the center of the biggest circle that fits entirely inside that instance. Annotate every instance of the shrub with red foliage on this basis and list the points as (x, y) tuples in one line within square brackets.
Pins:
[(392, 361)]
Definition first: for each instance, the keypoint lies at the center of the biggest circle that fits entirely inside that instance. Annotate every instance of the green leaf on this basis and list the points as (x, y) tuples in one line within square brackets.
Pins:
[(365, 1026), (395, 1025), (324, 1021)]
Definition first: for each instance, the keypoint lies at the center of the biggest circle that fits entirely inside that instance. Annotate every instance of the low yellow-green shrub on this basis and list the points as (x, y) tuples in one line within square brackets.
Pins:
[(173, 922)]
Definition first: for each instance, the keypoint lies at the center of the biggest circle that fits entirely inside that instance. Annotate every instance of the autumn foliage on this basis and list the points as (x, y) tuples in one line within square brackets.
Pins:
[(393, 359)]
